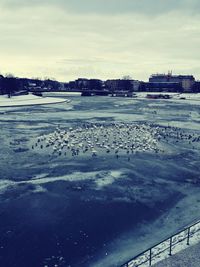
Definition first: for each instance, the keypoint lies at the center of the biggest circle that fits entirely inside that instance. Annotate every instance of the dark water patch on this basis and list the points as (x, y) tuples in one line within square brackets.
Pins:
[(39, 227), (20, 150), (13, 192)]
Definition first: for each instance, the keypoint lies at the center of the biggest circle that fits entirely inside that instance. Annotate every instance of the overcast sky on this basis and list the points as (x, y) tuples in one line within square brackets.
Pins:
[(66, 39)]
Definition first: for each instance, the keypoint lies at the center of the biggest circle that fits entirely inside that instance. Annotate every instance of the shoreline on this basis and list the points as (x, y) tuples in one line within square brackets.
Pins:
[(58, 97)]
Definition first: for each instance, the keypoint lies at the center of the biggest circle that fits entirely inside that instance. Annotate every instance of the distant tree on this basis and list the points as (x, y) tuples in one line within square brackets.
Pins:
[(23, 83), (95, 84), (36, 79), (10, 84), (1, 84), (52, 84), (127, 77)]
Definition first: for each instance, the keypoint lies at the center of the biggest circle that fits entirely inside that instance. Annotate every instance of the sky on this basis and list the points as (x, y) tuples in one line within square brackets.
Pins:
[(106, 39)]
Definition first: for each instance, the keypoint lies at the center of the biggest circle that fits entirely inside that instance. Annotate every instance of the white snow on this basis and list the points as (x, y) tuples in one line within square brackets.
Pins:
[(108, 178), (191, 98), (28, 100)]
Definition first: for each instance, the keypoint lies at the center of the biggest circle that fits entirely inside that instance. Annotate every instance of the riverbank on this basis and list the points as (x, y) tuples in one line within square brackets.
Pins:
[(60, 97), (173, 96)]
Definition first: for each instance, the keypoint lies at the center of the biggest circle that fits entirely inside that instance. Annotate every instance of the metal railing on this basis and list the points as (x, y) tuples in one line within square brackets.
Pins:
[(164, 247)]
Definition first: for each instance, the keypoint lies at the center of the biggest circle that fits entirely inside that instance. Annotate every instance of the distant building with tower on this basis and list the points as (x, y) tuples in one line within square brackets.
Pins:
[(176, 82)]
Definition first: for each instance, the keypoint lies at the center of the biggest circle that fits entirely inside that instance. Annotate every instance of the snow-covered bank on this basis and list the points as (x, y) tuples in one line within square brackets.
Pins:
[(189, 235), (174, 96), (28, 100), (183, 258)]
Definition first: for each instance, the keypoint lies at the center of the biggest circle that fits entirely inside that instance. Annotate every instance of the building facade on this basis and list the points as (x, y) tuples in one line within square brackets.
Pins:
[(162, 87), (186, 81), (122, 85)]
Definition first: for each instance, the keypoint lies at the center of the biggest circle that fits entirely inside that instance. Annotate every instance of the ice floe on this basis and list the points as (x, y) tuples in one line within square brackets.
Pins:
[(28, 100)]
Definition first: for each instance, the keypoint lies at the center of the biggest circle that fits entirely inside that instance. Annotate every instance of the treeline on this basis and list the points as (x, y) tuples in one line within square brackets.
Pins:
[(11, 85)]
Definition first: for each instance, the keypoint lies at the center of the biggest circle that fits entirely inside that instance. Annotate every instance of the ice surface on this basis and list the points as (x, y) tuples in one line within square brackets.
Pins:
[(101, 210)]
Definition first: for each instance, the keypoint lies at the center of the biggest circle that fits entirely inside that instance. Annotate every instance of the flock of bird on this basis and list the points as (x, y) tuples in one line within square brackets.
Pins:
[(116, 138), (176, 135)]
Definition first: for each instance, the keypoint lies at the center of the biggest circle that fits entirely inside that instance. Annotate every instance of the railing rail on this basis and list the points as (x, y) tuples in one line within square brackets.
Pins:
[(147, 256)]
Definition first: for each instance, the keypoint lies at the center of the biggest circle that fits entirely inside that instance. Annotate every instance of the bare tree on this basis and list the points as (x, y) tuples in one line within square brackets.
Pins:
[(127, 77)]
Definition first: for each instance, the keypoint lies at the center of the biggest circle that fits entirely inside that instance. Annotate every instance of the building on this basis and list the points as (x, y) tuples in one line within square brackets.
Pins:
[(135, 85), (162, 87), (122, 85), (186, 81), (196, 87)]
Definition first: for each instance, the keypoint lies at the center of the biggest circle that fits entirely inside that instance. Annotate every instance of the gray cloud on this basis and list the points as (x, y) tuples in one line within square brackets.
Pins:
[(151, 7), (105, 38)]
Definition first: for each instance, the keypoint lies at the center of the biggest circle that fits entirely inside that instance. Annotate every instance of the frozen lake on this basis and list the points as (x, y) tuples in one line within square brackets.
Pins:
[(93, 211)]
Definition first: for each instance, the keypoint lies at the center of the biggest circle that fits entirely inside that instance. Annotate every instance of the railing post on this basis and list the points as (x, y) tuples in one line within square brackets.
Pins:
[(170, 246), (188, 236), (150, 256)]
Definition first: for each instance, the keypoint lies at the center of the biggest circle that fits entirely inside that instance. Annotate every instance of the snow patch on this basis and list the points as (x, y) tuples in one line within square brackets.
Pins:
[(108, 178), (101, 179), (28, 100)]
